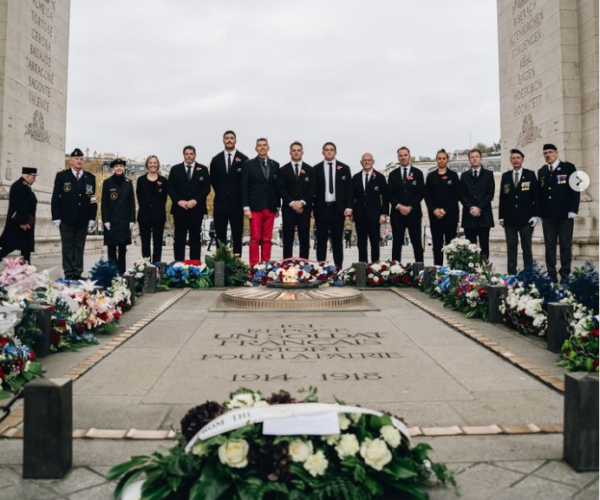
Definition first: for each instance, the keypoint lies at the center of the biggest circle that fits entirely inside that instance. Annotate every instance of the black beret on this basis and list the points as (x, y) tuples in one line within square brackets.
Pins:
[(29, 171), (550, 146), (118, 161), (76, 152), (516, 151)]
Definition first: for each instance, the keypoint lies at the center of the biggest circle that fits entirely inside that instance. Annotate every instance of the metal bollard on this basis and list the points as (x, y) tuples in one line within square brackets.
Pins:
[(558, 325), (495, 296), (580, 437), (360, 274), (417, 268), (48, 428), (131, 285), (43, 319), (219, 275), (428, 277), (150, 279)]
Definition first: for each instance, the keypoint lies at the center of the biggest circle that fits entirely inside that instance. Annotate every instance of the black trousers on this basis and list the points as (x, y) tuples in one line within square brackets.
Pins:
[(400, 223), (187, 225), (233, 216), (330, 222), (367, 231), (443, 231), (483, 233), (561, 229), (291, 221), (151, 230), (26, 254), (118, 254), (72, 238), (512, 242)]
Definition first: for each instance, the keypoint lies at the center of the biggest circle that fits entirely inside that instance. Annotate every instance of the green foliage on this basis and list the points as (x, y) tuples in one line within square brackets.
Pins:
[(236, 270)]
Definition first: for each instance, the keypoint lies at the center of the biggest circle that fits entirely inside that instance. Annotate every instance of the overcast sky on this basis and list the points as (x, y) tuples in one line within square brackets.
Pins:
[(148, 77)]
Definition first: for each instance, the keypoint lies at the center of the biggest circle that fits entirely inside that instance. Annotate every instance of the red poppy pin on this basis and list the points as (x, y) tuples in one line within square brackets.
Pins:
[(372, 174), (198, 169), (444, 177), (238, 159), (302, 171), (158, 183), (339, 167), (410, 177)]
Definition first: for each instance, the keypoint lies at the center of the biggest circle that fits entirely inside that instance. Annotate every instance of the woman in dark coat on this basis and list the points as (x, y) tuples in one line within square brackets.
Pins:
[(442, 192), (118, 213), (151, 192), (20, 221)]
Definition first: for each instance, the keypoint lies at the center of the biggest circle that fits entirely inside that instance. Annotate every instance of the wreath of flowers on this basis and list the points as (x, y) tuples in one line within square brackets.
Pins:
[(580, 351), (383, 274), (370, 458), (192, 273), (294, 271)]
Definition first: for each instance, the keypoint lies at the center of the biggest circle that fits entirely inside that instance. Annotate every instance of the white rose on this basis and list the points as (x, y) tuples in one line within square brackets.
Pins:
[(316, 464), (331, 439), (344, 421), (261, 404), (242, 401), (200, 449), (348, 446), (391, 435), (300, 450), (375, 453), (234, 453)]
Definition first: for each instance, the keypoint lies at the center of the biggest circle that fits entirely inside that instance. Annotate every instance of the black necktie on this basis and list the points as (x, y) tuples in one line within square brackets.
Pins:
[(189, 172), (367, 176), (330, 177), (228, 162), (404, 173), (550, 168), (476, 173), (296, 170), (265, 168)]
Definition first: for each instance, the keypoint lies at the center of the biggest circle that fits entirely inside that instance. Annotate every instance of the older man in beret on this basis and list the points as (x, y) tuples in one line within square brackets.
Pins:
[(518, 210), (559, 204), (74, 208), (20, 221)]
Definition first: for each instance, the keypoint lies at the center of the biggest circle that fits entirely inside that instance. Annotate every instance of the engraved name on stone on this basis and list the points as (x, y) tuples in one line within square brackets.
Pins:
[(301, 342), (527, 19), (38, 61)]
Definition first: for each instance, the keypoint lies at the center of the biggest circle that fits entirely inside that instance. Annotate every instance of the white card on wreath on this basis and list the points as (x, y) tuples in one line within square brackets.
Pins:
[(321, 424)]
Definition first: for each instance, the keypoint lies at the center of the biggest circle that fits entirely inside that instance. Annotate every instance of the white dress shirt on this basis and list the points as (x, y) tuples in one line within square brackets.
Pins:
[(329, 197)]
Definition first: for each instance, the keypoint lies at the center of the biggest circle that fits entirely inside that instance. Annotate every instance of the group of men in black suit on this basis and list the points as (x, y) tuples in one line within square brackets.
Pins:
[(525, 198), (254, 189)]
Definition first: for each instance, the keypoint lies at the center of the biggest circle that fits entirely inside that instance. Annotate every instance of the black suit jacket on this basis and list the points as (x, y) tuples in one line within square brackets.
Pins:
[(302, 188), (258, 192), (409, 193), (372, 203), (74, 202), (343, 186), (152, 198), (181, 188), (518, 204), (227, 184), (477, 193), (22, 205), (442, 191), (556, 197)]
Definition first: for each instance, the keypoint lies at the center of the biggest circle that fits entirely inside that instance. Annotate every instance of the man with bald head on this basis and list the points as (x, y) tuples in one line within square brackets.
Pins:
[(370, 207)]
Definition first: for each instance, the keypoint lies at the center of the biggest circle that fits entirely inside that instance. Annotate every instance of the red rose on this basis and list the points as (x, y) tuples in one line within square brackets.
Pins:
[(584, 338), (62, 323), (3, 341), (80, 328), (103, 317), (594, 333), (54, 337), (405, 278), (31, 355), (482, 291), (371, 282), (117, 314), (381, 280)]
